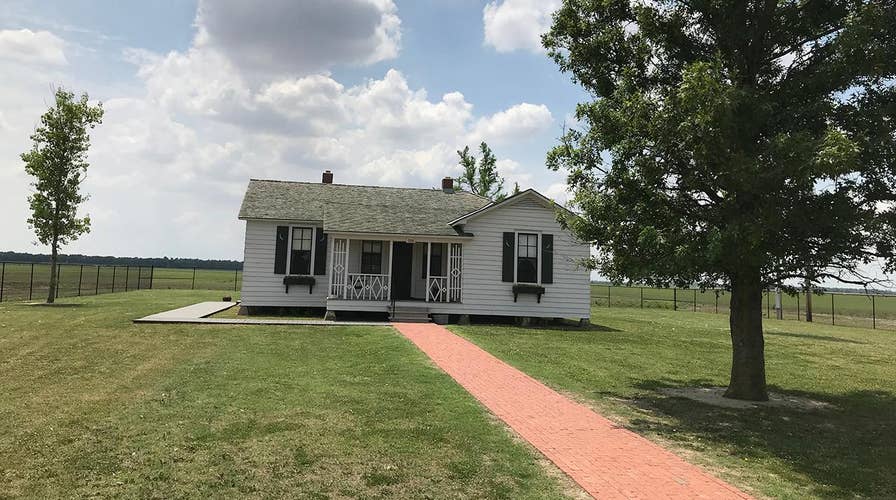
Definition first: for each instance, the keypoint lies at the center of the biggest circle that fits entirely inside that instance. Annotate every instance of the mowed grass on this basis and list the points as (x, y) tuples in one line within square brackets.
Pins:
[(92, 405), (620, 365), (21, 282), (844, 310)]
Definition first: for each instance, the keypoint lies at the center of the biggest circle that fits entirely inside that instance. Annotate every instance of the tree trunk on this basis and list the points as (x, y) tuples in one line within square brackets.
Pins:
[(808, 300), (748, 346), (51, 296)]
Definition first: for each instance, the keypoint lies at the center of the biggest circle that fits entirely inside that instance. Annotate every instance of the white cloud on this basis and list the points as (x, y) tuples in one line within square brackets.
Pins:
[(171, 160), (558, 192), (517, 24), (517, 122), (32, 47), (296, 38)]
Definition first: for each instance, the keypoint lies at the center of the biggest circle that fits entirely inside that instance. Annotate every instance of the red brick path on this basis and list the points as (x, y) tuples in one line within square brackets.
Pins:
[(605, 459)]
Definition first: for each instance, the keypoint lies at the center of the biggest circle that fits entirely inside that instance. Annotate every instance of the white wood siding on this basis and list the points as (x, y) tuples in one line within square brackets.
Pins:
[(261, 287), (484, 292)]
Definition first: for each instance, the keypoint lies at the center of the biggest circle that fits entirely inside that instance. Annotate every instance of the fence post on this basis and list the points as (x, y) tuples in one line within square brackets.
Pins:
[(608, 295), (58, 279), (797, 306), (193, 283), (127, 275), (642, 297), (717, 302), (152, 273), (674, 299), (873, 314), (695, 300), (768, 305), (113, 278), (236, 278), (832, 308), (139, 275), (80, 278), (97, 291), (2, 279), (31, 282)]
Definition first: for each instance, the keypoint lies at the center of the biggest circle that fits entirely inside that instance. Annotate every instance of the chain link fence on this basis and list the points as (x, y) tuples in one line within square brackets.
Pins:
[(845, 309), (30, 281)]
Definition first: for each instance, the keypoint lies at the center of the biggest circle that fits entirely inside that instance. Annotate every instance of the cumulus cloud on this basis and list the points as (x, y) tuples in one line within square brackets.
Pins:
[(285, 36), (32, 47), (517, 122), (172, 158), (517, 24)]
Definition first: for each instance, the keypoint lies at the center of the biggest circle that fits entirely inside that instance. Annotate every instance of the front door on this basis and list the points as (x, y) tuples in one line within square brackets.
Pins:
[(402, 253)]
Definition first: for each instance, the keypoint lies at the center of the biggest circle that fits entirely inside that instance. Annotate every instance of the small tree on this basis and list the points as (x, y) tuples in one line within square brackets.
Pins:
[(749, 142), (481, 179), (57, 163)]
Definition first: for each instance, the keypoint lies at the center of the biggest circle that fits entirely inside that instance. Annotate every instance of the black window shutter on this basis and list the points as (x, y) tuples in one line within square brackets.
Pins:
[(507, 258), (320, 252), (280, 249), (547, 258)]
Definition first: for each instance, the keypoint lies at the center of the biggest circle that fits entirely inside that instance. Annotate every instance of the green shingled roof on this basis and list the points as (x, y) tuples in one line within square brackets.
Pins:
[(359, 209)]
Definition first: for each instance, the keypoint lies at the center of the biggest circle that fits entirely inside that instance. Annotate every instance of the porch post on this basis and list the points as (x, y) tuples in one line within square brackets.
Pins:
[(428, 259), (330, 245), (389, 278), (348, 246)]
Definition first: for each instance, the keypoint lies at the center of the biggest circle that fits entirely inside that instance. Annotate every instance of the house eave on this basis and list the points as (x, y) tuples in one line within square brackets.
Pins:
[(398, 236), (510, 200)]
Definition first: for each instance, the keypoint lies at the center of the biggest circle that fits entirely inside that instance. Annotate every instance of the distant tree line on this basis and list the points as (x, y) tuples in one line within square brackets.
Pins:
[(105, 260)]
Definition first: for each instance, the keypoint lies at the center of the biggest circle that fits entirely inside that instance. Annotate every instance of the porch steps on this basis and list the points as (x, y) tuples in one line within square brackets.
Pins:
[(410, 314)]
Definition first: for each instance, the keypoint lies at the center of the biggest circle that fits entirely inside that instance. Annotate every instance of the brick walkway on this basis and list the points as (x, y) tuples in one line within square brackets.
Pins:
[(603, 458)]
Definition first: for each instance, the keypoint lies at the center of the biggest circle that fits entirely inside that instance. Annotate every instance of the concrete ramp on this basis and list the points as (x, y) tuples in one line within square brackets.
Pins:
[(183, 314), (199, 314)]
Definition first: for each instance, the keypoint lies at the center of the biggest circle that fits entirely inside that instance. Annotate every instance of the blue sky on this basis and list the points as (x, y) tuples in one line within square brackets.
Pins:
[(201, 96)]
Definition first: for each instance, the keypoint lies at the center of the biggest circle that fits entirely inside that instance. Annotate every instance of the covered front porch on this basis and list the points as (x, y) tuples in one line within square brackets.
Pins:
[(381, 270)]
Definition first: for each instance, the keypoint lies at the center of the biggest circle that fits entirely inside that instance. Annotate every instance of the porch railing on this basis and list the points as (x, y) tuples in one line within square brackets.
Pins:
[(367, 287), (437, 289)]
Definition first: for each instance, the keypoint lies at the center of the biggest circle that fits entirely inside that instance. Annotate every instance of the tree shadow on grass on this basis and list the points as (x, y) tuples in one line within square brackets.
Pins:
[(548, 324), (806, 336), (847, 449), (55, 305), (571, 327)]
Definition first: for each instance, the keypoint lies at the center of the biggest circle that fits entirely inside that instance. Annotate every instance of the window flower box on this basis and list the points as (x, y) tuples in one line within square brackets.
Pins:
[(530, 289), (299, 279)]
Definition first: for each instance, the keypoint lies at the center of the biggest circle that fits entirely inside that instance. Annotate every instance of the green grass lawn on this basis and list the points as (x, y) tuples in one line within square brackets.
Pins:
[(18, 282), (94, 405), (852, 309), (619, 366)]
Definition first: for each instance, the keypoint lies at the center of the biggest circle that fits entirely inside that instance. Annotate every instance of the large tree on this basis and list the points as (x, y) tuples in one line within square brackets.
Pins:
[(734, 144), (57, 162), (482, 178)]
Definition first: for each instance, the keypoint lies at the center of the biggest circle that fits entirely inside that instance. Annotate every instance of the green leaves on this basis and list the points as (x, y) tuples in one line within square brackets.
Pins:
[(57, 163), (482, 179), (726, 136)]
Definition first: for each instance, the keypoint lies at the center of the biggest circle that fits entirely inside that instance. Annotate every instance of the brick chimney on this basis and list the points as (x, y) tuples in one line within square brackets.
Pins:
[(448, 185), (327, 178)]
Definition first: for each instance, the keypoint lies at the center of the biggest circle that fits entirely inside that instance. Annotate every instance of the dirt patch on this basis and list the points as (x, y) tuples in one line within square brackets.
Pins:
[(713, 396)]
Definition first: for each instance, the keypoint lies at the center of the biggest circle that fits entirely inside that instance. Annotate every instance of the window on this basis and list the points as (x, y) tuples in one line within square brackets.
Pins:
[(372, 257), (527, 258), (435, 262), (300, 256)]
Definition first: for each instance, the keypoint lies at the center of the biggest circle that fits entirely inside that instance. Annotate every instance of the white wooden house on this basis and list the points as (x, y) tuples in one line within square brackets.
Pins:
[(409, 252)]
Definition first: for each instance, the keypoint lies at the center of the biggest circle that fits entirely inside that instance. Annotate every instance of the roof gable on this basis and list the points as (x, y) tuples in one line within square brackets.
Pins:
[(529, 194)]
